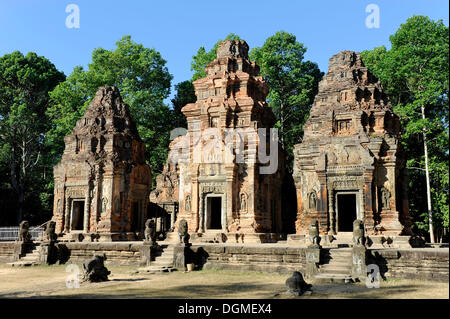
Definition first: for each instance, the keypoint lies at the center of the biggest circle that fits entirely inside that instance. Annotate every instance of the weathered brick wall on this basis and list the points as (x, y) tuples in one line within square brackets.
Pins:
[(6, 251), (262, 258), (416, 263), (117, 253)]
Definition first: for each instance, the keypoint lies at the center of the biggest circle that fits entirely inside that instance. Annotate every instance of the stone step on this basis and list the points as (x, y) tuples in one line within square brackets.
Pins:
[(344, 254), (342, 249), (164, 259), (36, 253), (158, 265), (334, 270), (334, 278), (155, 269), (21, 263), (28, 258), (339, 262), (338, 256), (337, 265)]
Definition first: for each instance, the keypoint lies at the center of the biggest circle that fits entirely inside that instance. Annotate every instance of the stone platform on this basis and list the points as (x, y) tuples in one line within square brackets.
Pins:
[(230, 237), (410, 263), (345, 240)]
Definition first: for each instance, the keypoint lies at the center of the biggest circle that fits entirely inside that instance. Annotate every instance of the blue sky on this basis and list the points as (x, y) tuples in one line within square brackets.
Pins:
[(178, 28)]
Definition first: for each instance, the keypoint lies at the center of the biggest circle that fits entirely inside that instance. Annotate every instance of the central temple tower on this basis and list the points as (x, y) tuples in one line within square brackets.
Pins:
[(350, 164), (218, 172)]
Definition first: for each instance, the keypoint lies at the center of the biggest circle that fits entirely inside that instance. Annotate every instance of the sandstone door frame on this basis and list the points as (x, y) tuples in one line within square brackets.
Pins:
[(82, 214), (358, 199), (204, 212)]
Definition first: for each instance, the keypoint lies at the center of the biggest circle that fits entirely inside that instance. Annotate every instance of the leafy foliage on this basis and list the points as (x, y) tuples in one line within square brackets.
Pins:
[(144, 82), (293, 84), (415, 72), (185, 93), (24, 85), (202, 58)]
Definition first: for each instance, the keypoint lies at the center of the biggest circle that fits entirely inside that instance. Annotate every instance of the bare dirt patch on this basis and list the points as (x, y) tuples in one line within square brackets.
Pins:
[(50, 282)]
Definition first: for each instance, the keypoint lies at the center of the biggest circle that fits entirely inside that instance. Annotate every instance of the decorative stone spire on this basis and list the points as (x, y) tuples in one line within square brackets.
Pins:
[(233, 86), (349, 87), (107, 115)]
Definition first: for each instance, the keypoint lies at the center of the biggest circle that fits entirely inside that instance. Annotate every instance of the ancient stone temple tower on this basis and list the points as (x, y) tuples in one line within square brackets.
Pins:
[(102, 183), (215, 172), (349, 165)]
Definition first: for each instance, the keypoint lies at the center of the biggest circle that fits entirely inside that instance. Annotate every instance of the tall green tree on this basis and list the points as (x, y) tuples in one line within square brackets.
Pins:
[(293, 83), (24, 85), (185, 93), (202, 58), (415, 72), (144, 82)]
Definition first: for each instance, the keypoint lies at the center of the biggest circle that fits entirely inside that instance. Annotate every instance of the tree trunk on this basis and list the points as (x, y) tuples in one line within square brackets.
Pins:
[(17, 184), (427, 176), (20, 203), (282, 125)]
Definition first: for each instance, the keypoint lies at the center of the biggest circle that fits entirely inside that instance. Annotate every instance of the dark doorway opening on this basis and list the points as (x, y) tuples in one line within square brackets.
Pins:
[(215, 212), (346, 212), (77, 215)]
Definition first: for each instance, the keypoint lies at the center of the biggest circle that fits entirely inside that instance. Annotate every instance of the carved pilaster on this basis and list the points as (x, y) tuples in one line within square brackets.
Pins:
[(322, 203)]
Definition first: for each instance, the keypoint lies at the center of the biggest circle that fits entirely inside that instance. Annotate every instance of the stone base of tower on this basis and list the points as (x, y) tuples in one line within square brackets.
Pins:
[(390, 224), (97, 237), (346, 240), (108, 237), (227, 237)]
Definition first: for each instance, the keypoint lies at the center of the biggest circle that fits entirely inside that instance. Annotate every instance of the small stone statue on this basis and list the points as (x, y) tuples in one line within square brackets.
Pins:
[(24, 233), (385, 197), (314, 234), (94, 269), (50, 233), (312, 201), (297, 286), (187, 204), (150, 231), (243, 203), (220, 238), (359, 238), (183, 232)]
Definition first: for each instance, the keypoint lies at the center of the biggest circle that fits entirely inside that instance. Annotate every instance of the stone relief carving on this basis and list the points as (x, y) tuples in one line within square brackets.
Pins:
[(385, 197), (75, 192), (213, 188), (117, 204), (312, 200), (243, 202), (187, 203), (104, 204)]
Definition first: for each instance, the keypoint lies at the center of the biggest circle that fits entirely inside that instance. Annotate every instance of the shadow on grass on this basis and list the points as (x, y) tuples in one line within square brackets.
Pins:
[(222, 291), (187, 291), (350, 291)]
